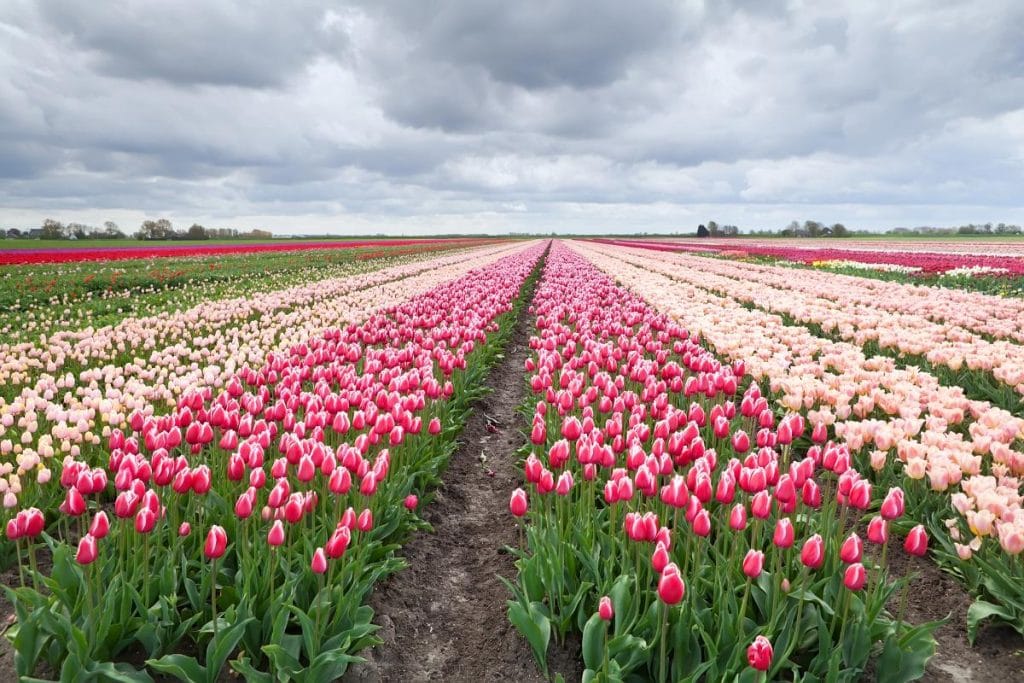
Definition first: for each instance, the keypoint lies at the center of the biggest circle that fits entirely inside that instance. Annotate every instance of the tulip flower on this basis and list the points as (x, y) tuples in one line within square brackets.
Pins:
[(917, 541), (671, 587), (893, 506), (660, 558), (784, 534), (855, 576), (759, 654), (185, 529), (319, 562), (275, 537), (753, 563), (878, 530), (87, 550), (216, 542), (812, 555), (738, 517), (100, 526), (518, 504), (364, 522), (852, 549), (411, 501)]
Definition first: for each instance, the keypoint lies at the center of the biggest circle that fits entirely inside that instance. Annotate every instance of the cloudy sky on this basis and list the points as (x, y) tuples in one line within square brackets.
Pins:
[(485, 115)]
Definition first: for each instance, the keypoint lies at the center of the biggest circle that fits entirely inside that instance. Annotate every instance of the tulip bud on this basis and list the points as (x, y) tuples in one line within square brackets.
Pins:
[(411, 501), (660, 558), (518, 504), (738, 517), (185, 529), (364, 522), (604, 608)]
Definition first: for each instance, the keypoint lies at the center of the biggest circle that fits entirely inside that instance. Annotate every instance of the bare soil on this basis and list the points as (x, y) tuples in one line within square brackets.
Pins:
[(444, 618), (998, 653)]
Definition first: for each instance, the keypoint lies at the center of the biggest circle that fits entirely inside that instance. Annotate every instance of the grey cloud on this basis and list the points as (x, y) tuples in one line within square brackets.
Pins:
[(397, 115)]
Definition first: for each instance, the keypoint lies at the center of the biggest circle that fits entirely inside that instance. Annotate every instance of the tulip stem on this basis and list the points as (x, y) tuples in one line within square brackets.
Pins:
[(33, 565), (213, 596), (21, 567), (145, 572), (662, 673), (743, 607)]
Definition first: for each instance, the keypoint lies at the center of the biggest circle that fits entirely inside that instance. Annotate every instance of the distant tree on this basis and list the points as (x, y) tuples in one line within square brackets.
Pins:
[(14, 233), (839, 230), (156, 230), (197, 232), (79, 230), (791, 230), (53, 230), (813, 228), (713, 228), (730, 231), (111, 231), (702, 231)]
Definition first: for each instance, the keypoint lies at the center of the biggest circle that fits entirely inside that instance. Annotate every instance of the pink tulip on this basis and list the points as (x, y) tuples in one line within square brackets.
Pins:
[(812, 555), (855, 576), (784, 534), (893, 505), (518, 504), (275, 537), (852, 549), (604, 608), (759, 654), (87, 550), (216, 542), (411, 501), (319, 563), (100, 526), (917, 541), (671, 587), (878, 530), (753, 563)]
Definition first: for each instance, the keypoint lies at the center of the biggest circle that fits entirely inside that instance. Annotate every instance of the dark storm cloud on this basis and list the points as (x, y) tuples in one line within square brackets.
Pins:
[(408, 115), (247, 43)]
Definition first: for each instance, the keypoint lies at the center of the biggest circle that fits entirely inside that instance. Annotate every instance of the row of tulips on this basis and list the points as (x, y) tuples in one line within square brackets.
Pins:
[(686, 530), (960, 461), (255, 519), (80, 385), (47, 299), (950, 329), (929, 258)]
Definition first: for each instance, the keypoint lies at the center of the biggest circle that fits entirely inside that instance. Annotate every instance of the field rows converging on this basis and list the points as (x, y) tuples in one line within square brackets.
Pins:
[(604, 460)]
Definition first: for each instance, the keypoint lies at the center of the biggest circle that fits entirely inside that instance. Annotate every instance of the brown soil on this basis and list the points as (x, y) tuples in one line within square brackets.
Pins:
[(998, 652), (445, 617)]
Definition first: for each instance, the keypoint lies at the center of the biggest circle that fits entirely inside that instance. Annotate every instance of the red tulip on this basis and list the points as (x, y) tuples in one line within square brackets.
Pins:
[(784, 534), (319, 563), (434, 427), (87, 550), (893, 505), (364, 522), (917, 541), (878, 530), (518, 504), (216, 542), (738, 517), (145, 520), (185, 529), (855, 576), (759, 654), (852, 549), (812, 555), (275, 537), (74, 503), (671, 587), (35, 522), (753, 563), (13, 532), (100, 526), (702, 523), (660, 558), (819, 434), (411, 501), (761, 505), (306, 470), (604, 608), (860, 494)]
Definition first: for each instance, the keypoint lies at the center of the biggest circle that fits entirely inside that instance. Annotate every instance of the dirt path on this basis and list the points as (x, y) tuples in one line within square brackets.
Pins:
[(998, 652), (444, 618)]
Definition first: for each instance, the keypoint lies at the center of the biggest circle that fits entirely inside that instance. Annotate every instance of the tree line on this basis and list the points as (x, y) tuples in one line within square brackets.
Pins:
[(150, 230)]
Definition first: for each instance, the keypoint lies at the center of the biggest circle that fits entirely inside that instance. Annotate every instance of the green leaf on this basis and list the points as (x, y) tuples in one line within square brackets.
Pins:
[(184, 668), (535, 627), (593, 642), (979, 611), (329, 666), (221, 647), (905, 661)]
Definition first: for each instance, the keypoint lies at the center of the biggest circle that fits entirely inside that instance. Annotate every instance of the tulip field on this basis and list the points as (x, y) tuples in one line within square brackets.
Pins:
[(717, 466)]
